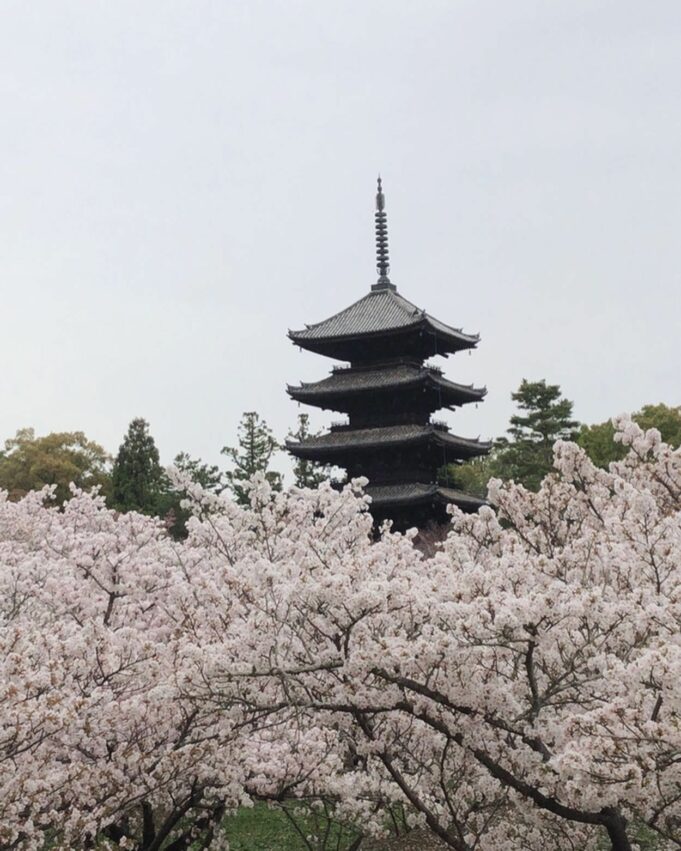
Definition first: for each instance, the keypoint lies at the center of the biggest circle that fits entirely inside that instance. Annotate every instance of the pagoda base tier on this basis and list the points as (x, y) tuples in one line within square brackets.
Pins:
[(416, 504)]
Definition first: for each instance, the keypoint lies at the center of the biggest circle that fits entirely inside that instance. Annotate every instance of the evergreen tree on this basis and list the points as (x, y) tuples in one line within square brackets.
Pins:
[(527, 456), (256, 445), (307, 473), (138, 480)]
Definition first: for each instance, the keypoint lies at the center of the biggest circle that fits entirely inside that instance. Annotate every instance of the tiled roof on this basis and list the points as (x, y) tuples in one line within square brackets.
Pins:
[(379, 311), (368, 438), (411, 492), (399, 375)]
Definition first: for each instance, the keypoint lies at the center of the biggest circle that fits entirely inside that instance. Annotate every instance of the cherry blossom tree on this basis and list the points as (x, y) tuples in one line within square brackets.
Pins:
[(520, 688), (95, 738), (109, 629)]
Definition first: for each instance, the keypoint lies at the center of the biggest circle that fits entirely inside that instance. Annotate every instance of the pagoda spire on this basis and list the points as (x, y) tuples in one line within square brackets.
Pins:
[(382, 255)]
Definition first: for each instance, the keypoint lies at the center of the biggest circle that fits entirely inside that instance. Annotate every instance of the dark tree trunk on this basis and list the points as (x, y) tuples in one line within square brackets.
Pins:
[(616, 825)]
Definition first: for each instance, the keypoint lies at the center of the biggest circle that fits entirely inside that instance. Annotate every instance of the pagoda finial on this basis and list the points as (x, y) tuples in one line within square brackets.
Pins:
[(382, 255)]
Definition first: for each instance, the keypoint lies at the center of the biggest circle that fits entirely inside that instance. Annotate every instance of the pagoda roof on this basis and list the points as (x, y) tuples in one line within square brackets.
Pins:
[(344, 438), (410, 493), (381, 311), (389, 377)]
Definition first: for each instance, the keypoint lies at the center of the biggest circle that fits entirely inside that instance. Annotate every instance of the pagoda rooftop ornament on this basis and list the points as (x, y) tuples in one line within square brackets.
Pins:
[(389, 394)]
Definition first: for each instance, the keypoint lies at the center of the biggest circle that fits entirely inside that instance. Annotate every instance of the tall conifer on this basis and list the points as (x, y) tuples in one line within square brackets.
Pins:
[(307, 473), (256, 445), (138, 480)]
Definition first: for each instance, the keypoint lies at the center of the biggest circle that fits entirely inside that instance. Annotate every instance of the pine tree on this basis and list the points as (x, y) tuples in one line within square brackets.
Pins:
[(307, 473), (527, 456), (138, 480), (256, 445)]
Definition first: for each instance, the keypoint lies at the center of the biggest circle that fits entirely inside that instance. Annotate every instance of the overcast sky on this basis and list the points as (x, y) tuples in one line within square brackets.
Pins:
[(181, 182)]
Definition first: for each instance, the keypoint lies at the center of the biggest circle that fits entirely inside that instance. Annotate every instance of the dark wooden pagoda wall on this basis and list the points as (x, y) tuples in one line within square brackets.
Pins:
[(409, 462), (418, 345), (382, 409)]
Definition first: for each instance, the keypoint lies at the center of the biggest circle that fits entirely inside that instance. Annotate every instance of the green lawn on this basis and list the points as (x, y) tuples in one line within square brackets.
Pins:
[(260, 828)]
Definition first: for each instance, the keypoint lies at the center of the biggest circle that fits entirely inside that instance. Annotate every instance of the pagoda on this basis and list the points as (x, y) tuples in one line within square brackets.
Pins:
[(389, 393)]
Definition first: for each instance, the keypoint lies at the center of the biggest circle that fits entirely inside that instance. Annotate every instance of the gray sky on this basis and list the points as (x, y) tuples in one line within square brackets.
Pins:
[(181, 182)]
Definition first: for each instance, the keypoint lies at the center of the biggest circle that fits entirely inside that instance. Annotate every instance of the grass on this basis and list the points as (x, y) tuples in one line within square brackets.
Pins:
[(261, 828)]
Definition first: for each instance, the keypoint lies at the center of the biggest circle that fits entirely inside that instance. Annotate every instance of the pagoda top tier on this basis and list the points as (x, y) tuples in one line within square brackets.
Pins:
[(383, 324)]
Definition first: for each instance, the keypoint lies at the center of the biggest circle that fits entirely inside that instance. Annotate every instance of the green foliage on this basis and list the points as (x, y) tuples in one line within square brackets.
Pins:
[(29, 463), (307, 473), (138, 480), (666, 419), (527, 455), (598, 440), (256, 445)]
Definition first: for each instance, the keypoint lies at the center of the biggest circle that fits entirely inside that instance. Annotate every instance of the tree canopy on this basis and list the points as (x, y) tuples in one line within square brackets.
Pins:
[(520, 689), (599, 440), (526, 456), (59, 458)]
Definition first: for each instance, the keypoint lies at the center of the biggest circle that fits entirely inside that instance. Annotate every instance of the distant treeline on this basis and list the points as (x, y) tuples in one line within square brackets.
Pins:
[(135, 480)]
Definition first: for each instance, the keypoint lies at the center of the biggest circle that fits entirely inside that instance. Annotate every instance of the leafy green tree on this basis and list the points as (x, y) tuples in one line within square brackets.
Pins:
[(307, 473), (139, 483), (599, 443), (526, 456), (29, 463), (256, 446)]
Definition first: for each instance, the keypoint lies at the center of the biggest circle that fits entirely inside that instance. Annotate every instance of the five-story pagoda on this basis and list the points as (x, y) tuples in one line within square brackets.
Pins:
[(389, 394)]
